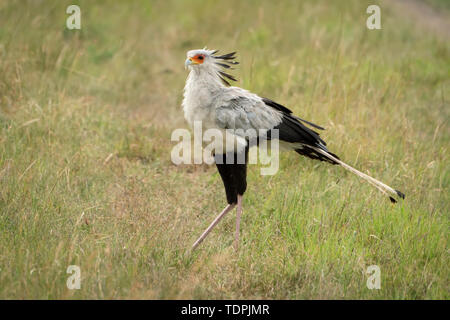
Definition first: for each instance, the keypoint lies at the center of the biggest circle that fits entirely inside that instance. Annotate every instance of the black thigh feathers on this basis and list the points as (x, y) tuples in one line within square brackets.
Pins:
[(234, 175)]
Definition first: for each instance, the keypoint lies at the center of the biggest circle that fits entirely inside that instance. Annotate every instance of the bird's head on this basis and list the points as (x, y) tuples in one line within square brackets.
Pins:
[(206, 60)]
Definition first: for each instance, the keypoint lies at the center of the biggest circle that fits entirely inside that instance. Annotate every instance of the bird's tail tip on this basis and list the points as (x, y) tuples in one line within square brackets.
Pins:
[(400, 194), (378, 184)]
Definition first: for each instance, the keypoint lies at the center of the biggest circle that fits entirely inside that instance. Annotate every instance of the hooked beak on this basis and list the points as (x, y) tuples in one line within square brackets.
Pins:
[(190, 62), (187, 63)]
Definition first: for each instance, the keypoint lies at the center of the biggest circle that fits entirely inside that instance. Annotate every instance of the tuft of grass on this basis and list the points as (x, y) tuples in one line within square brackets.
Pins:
[(86, 177)]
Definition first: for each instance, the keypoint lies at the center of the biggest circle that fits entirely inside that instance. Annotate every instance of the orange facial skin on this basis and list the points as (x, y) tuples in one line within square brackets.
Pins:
[(198, 59)]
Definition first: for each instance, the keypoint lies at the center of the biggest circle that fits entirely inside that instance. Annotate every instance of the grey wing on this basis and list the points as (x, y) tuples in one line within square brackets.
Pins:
[(247, 114)]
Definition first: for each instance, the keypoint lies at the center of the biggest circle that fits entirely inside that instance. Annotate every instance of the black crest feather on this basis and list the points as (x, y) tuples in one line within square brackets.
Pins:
[(226, 75), (226, 60), (228, 56)]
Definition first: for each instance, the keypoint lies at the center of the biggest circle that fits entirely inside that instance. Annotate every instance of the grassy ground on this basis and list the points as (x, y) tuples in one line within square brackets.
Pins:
[(86, 177)]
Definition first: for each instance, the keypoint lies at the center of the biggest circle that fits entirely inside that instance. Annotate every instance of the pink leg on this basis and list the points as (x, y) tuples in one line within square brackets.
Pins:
[(238, 221), (213, 224)]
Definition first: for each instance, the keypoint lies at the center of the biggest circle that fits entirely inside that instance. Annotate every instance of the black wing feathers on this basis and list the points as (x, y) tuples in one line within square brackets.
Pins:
[(277, 106), (292, 130), (281, 108)]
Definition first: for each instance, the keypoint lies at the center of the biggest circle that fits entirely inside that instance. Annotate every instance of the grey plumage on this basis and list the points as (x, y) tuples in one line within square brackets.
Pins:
[(209, 98)]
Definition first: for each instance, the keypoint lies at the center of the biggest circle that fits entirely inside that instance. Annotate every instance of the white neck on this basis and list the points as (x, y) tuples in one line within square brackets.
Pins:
[(203, 85), (204, 76)]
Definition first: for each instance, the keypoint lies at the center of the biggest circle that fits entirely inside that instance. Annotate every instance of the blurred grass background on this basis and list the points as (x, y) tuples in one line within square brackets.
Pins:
[(86, 177)]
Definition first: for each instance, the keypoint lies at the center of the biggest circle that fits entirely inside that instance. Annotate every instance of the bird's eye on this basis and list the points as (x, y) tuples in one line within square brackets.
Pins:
[(200, 57)]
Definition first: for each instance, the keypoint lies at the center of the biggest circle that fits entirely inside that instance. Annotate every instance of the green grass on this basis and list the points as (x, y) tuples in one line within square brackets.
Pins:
[(439, 4), (86, 177)]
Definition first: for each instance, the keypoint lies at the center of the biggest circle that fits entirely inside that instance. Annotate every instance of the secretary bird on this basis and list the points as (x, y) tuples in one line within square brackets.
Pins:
[(209, 98)]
